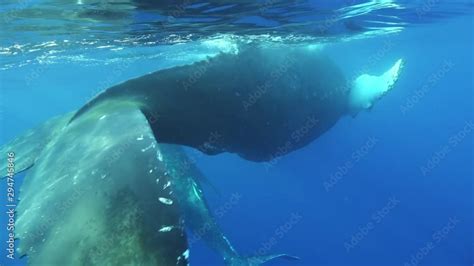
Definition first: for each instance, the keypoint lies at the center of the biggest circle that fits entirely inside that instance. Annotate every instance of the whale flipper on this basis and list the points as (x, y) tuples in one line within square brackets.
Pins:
[(96, 195), (29, 145), (197, 216), (367, 89)]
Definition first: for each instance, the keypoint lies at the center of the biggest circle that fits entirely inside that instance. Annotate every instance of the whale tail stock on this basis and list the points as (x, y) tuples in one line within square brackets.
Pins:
[(367, 89)]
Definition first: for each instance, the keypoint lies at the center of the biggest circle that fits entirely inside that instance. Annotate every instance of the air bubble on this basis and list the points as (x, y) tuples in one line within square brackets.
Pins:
[(165, 201), (166, 229)]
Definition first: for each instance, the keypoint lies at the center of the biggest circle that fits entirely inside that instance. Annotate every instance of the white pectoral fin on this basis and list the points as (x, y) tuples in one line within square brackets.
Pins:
[(367, 89)]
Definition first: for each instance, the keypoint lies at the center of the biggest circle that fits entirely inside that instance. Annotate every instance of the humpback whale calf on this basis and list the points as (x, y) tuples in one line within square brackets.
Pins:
[(256, 100), (105, 185)]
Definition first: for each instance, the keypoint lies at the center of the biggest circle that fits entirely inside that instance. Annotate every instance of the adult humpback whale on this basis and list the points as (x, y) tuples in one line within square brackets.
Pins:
[(122, 187), (256, 101), (95, 197)]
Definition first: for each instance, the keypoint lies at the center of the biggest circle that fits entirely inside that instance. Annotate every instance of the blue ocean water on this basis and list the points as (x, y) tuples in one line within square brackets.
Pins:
[(391, 186)]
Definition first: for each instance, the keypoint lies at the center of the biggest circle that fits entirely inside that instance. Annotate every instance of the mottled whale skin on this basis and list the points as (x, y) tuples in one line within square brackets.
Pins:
[(95, 197), (255, 101), (92, 197)]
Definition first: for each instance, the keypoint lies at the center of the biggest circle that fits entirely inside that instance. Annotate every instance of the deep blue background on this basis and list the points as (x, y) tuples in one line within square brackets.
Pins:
[(391, 169)]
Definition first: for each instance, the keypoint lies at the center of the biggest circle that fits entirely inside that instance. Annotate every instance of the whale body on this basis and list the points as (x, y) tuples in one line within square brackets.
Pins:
[(94, 197), (255, 101), (78, 207), (104, 187)]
